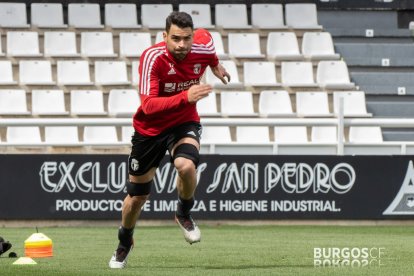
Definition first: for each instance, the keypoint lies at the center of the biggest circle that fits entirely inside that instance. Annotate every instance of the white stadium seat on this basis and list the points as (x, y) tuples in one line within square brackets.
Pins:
[(314, 104), (100, 135), (238, 42), (123, 102), (6, 76), (35, 72), (354, 103), (231, 16), (318, 45), (259, 73), (208, 106), (23, 135), (275, 103), (23, 44), (47, 15), (97, 44), (73, 72), (132, 44), (333, 74), (291, 134), (301, 16), (365, 134), (134, 72), (84, 15), (200, 13), (111, 73), (324, 134), (124, 16), (62, 135), (60, 44), (252, 134), (215, 134), (231, 68), (48, 102), (297, 74), (153, 15), (267, 16), (283, 46), (13, 102), (218, 44), (237, 103), (86, 102), (13, 15)]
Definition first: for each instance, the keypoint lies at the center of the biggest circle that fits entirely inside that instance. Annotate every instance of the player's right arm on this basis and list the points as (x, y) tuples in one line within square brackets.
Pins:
[(151, 101)]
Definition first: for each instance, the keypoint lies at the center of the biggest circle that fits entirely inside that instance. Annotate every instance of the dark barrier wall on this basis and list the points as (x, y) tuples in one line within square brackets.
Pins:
[(230, 187)]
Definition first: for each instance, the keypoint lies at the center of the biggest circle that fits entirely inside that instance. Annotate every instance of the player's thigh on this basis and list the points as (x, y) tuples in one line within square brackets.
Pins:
[(145, 157)]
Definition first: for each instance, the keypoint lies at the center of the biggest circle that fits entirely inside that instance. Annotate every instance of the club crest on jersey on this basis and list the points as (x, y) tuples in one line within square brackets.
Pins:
[(172, 71), (197, 68)]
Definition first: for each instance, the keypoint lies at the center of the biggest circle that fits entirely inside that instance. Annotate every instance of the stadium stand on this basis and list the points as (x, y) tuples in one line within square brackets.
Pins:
[(49, 59)]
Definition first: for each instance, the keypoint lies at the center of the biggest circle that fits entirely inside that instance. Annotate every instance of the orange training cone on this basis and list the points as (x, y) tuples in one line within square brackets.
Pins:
[(38, 245)]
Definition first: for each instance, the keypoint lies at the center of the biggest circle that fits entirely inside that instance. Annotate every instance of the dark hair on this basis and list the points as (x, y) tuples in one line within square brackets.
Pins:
[(181, 19)]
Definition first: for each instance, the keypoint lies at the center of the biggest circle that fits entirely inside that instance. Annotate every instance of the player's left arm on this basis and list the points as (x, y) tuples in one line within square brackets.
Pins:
[(220, 72)]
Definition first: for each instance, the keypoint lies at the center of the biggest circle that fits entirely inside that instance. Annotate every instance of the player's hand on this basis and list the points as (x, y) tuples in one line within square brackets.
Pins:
[(220, 72), (197, 92)]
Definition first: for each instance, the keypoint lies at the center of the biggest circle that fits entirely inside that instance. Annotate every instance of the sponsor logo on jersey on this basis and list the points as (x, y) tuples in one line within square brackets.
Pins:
[(169, 87)]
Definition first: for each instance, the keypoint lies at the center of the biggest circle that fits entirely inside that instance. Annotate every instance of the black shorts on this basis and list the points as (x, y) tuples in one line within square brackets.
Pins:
[(148, 151)]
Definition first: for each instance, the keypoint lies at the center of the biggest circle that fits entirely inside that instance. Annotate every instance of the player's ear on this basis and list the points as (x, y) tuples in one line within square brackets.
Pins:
[(164, 35)]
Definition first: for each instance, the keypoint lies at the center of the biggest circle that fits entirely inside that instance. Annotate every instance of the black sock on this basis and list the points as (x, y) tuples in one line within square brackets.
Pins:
[(125, 236), (184, 206)]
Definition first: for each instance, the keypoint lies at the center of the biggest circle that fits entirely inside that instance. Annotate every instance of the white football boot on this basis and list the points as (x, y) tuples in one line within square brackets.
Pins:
[(190, 229)]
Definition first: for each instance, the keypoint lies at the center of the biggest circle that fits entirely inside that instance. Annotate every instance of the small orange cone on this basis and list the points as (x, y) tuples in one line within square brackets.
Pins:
[(38, 245)]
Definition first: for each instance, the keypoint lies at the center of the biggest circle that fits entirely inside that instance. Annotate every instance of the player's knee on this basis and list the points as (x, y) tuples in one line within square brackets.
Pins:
[(184, 166), (190, 154)]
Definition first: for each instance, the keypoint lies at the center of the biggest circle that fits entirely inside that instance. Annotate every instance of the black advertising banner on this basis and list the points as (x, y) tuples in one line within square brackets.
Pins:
[(230, 187)]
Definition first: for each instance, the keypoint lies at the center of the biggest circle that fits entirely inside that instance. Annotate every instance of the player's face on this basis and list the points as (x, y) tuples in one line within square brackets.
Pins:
[(179, 41)]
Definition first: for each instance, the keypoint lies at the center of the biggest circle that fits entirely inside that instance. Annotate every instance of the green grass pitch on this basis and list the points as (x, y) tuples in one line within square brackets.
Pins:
[(224, 250)]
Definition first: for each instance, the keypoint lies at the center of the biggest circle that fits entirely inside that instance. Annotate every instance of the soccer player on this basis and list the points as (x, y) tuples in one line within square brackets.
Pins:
[(167, 119)]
